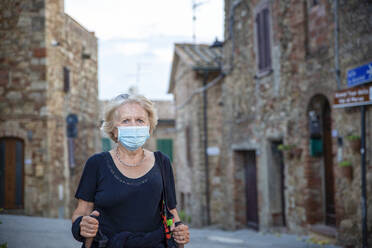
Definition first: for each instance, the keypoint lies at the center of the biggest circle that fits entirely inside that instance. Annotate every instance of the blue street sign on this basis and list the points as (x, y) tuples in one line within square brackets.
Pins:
[(359, 75)]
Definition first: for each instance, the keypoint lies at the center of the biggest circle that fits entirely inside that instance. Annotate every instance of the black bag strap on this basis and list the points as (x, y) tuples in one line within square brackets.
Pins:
[(164, 193)]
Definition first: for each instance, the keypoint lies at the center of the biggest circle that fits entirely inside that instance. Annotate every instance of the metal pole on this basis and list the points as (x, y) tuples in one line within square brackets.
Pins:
[(337, 65), (363, 176), (205, 107)]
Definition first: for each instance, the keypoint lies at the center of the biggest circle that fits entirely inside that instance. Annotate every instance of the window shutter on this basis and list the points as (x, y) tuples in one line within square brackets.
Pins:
[(263, 40), (259, 40), (66, 79), (106, 144), (266, 30), (188, 145), (166, 146)]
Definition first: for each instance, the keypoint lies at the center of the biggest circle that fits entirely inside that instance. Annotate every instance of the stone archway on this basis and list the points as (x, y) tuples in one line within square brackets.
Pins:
[(319, 170)]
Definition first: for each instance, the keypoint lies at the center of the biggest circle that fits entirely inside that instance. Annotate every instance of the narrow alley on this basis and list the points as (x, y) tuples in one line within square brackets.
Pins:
[(39, 232)]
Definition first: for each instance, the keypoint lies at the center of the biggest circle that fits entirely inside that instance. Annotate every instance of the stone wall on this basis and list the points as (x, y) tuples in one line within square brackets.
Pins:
[(23, 92), (76, 50), (190, 166), (261, 109), (37, 40), (188, 163)]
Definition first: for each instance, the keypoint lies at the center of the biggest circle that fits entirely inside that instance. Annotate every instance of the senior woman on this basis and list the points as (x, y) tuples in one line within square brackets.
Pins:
[(120, 191)]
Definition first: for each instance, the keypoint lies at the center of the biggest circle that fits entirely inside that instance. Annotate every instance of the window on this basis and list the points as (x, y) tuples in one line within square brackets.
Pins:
[(66, 79), (314, 3), (263, 39)]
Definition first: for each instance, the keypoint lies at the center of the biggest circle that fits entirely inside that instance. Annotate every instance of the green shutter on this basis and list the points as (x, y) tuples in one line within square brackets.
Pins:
[(165, 146), (106, 144), (316, 147)]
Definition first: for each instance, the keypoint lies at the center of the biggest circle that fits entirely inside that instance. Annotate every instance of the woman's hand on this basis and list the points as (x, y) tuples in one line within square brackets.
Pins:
[(89, 225), (89, 228), (181, 234)]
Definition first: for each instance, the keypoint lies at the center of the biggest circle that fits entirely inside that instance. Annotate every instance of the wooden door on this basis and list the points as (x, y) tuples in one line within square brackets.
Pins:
[(11, 173), (330, 215), (251, 189)]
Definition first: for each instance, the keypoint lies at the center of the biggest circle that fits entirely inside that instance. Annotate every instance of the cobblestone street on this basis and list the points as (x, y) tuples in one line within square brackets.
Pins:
[(36, 232)]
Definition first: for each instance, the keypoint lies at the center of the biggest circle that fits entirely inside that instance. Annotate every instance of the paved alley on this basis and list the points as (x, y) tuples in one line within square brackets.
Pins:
[(36, 232)]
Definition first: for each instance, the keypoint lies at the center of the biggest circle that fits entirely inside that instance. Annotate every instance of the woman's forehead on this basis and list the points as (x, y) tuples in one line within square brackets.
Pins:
[(131, 109)]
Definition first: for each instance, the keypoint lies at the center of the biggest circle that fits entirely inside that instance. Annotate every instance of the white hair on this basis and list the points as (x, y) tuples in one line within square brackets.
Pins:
[(110, 112)]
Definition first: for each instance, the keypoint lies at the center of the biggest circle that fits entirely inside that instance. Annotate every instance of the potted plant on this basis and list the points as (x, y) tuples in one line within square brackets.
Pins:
[(346, 169), (291, 150), (283, 147), (355, 142)]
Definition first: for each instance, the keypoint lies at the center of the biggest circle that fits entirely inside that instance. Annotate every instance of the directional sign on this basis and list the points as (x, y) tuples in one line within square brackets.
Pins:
[(351, 97), (359, 75)]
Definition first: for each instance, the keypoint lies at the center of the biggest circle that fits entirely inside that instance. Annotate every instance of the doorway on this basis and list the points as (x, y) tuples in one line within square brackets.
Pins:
[(250, 172), (11, 173), (321, 183), (277, 185), (330, 212)]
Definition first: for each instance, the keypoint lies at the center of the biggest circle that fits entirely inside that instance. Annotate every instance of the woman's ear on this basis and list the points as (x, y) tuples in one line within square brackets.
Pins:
[(115, 133)]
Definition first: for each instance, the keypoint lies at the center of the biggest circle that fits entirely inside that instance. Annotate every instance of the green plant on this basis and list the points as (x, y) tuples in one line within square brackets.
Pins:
[(344, 163), (184, 217), (353, 137), (283, 147)]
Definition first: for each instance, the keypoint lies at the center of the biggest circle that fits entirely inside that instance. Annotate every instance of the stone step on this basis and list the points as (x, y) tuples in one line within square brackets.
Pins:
[(322, 234)]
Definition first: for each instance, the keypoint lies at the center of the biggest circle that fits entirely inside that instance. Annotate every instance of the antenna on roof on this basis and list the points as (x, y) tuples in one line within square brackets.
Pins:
[(195, 5)]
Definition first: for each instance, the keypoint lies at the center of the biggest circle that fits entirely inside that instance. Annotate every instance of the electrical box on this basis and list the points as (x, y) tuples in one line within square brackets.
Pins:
[(314, 125), (72, 121)]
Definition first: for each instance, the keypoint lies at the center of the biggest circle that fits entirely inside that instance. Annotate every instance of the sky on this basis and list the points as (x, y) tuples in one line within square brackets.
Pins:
[(136, 39)]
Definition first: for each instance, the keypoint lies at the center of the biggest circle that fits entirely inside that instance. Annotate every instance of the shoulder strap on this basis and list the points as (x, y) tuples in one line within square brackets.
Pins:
[(158, 156), (162, 172)]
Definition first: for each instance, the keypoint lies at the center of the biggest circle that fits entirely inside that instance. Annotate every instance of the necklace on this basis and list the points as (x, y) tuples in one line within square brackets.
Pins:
[(130, 165)]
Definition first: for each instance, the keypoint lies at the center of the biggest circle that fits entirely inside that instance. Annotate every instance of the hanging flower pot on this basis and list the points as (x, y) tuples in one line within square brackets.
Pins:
[(355, 142), (346, 169)]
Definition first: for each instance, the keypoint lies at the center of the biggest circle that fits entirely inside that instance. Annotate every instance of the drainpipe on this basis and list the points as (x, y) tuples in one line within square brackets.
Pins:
[(337, 65), (363, 177), (206, 162), (231, 32)]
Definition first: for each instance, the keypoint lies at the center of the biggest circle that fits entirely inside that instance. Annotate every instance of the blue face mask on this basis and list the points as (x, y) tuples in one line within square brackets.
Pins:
[(133, 137)]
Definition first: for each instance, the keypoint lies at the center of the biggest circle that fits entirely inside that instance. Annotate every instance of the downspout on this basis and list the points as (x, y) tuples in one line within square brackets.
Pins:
[(231, 32), (337, 65), (206, 162)]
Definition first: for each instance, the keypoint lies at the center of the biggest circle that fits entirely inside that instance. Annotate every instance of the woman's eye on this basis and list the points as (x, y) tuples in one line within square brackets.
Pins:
[(140, 121), (125, 121)]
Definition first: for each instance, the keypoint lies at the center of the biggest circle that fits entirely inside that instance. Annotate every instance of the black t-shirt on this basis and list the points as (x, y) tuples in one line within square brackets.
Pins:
[(126, 204)]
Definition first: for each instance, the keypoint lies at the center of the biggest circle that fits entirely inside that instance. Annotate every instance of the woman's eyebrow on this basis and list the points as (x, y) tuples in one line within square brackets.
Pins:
[(138, 116)]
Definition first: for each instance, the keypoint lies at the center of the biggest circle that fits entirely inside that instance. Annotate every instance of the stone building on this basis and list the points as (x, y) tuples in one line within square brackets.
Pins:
[(48, 106), (283, 140), (196, 68), (163, 137)]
